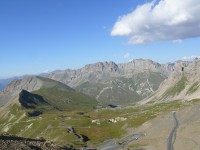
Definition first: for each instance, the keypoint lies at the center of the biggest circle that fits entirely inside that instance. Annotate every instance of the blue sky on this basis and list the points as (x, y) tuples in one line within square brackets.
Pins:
[(41, 35)]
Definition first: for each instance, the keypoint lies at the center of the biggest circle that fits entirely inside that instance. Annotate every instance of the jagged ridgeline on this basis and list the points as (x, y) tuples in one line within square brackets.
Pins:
[(115, 83)]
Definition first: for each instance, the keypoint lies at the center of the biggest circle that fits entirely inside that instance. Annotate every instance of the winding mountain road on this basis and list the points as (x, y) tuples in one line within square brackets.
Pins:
[(123, 143), (172, 135)]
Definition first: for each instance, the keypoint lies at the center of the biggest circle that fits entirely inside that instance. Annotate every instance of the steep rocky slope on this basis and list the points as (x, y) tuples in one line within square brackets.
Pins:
[(115, 83), (182, 84), (16, 86)]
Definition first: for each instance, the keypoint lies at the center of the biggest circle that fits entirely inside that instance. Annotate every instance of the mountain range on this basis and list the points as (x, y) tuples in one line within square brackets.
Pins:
[(111, 83), (115, 83), (78, 100)]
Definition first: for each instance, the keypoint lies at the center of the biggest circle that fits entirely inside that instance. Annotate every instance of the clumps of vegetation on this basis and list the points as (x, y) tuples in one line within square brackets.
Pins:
[(177, 88), (193, 88), (149, 112), (194, 101)]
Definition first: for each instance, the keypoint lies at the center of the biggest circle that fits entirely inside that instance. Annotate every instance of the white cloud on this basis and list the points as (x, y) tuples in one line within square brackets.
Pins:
[(163, 20), (127, 55), (189, 58), (177, 41)]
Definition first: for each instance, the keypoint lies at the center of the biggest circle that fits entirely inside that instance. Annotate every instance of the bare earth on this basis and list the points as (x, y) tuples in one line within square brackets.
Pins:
[(158, 130)]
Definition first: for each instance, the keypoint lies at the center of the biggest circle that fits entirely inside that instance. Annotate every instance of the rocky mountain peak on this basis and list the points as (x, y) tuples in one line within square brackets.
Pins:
[(101, 66), (141, 65)]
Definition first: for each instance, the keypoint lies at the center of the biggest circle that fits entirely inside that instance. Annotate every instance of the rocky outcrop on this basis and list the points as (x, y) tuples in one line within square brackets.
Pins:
[(141, 65), (18, 143), (91, 73)]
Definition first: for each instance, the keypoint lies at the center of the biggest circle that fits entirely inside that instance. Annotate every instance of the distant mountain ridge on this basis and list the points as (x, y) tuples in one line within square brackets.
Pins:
[(5, 82), (113, 70), (105, 70), (108, 82), (115, 83)]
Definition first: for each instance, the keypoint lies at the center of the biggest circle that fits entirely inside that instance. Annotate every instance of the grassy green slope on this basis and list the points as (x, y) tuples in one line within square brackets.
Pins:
[(67, 101), (62, 97), (49, 83)]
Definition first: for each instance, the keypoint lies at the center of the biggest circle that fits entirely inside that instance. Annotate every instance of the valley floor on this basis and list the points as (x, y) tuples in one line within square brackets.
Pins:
[(134, 127)]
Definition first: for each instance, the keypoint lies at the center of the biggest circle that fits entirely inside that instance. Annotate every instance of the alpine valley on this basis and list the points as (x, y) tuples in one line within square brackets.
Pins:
[(139, 105)]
